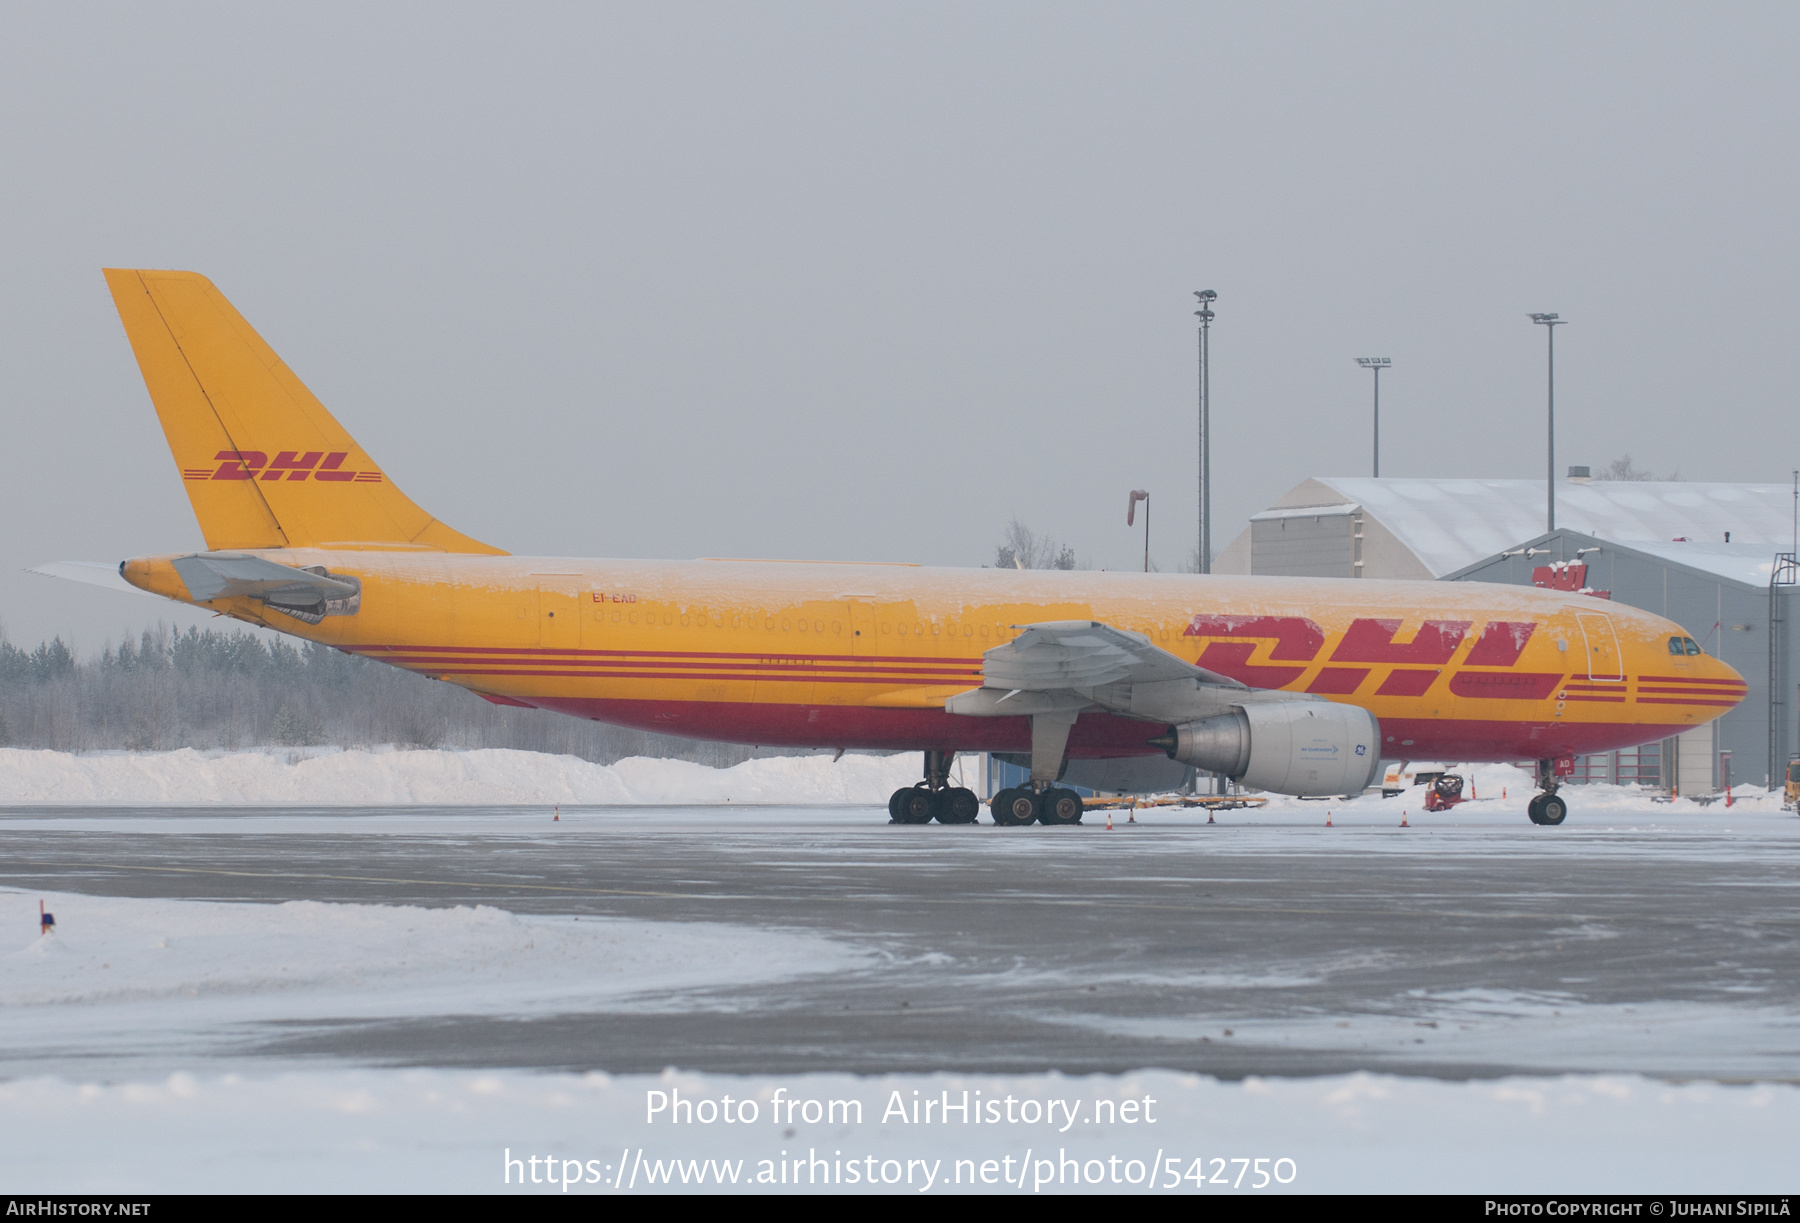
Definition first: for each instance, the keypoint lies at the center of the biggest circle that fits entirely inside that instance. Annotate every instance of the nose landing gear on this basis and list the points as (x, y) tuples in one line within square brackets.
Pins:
[(1547, 808)]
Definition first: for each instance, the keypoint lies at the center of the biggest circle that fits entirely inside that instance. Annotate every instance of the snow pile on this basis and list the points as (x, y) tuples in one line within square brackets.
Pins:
[(137, 967), (1510, 786), (415, 1131), (485, 777)]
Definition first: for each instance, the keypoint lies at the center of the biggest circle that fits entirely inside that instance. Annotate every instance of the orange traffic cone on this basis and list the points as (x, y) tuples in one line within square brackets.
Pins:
[(1109, 819), (1403, 822), (1131, 816), (556, 815), (1209, 818), (1328, 819)]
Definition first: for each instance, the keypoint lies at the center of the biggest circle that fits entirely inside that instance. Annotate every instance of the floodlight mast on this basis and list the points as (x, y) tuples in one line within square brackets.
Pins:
[(1376, 364), (1137, 495), (1206, 298), (1550, 322)]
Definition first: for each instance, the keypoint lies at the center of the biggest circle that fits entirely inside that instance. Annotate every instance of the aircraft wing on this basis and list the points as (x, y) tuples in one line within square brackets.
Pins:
[(1085, 654), (1061, 667)]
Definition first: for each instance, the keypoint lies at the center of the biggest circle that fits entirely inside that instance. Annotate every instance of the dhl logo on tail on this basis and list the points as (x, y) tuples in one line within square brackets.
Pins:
[(250, 464)]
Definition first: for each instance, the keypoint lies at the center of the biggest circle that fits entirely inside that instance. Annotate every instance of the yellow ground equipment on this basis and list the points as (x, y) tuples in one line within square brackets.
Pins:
[(1211, 802)]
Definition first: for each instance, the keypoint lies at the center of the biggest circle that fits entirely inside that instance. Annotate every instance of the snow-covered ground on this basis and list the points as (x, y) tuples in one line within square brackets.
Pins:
[(331, 777), (158, 971), (338, 777), (158, 975)]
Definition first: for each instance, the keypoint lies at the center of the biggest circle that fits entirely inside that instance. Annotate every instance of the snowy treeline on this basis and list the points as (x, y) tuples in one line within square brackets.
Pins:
[(214, 689)]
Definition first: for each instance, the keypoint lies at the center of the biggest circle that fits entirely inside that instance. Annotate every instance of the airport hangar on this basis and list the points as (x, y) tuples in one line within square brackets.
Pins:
[(1716, 558)]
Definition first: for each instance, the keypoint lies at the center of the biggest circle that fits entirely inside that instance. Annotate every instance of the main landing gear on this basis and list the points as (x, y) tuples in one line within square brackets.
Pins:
[(1042, 801), (1053, 806), (1547, 808), (934, 797)]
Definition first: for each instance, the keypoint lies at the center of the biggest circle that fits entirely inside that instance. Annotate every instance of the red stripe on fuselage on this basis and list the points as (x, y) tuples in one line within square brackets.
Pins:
[(734, 676), (929, 660), (1095, 734), (1686, 679)]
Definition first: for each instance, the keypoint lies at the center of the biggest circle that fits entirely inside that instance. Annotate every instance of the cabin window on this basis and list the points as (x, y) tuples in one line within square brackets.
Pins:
[(1684, 646)]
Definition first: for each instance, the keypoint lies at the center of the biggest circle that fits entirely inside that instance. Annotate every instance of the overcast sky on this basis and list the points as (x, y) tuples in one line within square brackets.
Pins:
[(864, 282)]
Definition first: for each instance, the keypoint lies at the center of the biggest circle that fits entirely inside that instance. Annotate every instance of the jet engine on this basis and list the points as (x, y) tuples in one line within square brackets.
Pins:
[(1287, 747)]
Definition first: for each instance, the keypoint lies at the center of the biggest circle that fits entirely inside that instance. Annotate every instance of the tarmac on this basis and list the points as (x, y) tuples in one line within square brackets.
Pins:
[(1462, 947)]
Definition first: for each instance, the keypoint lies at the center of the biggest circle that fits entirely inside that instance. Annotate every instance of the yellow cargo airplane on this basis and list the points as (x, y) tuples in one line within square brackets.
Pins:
[(1291, 685)]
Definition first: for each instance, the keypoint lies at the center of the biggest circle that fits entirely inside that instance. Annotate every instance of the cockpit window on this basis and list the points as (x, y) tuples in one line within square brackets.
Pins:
[(1683, 646)]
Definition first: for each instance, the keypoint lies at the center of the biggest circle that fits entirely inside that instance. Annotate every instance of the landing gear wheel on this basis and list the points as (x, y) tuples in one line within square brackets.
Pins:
[(958, 806), (1547, 809), (1014, 808), (1060, 807), (916, 806), (894, 804)]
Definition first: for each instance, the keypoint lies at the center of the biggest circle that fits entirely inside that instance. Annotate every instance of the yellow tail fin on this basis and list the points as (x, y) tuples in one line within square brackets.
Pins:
[(264, 464)]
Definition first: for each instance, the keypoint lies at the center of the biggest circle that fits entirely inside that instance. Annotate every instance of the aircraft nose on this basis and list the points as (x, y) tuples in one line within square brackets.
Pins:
[(1729, 679)]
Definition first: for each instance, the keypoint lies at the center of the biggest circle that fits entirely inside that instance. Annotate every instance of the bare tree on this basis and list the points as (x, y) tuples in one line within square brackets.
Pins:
[(1622, 468), (1023, 548)]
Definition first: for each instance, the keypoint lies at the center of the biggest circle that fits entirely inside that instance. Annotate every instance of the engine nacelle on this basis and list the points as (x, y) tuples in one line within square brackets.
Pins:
[(1287, 747)]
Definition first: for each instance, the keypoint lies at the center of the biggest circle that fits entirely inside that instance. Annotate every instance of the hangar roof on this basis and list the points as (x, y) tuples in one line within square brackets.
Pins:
[(1751, 564), (1449, 524)]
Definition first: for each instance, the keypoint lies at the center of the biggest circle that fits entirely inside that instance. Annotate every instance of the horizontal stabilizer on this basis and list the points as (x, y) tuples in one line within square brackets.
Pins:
[(306, 594), (226, 576), (91, 573)]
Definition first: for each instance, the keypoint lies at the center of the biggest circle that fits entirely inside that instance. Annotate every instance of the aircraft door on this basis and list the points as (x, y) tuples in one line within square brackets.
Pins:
[(862, 626), (1603, 655), (559, 610)]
